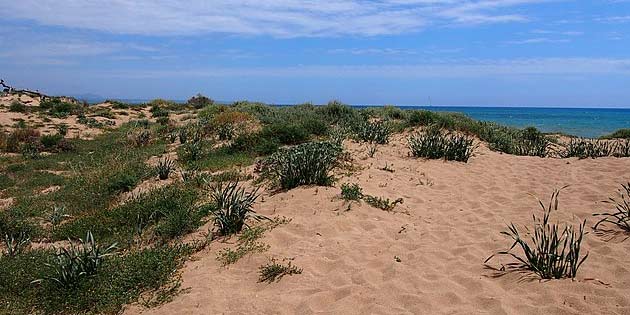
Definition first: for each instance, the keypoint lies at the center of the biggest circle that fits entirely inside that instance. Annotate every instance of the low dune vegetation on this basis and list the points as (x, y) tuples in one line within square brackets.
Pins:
[(92, 224)]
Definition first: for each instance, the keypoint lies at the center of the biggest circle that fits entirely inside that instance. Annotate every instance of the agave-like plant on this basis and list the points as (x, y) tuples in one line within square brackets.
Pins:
[(72, 264), (373, 132), (620, 216), (304, 164), (57, 215), (552, 252), (435, 144), (233, 206), (589, 148), (164, 168), (16, 243)]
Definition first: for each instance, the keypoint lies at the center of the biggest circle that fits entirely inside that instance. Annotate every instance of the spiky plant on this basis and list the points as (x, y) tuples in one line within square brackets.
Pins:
[(16, 243), (435, 144), (589, 148), (72, 264), (233, 206), (373, 132), (57, 215), (552, 252), (304, 164), (620, 216), (164, 168), (623, 148)]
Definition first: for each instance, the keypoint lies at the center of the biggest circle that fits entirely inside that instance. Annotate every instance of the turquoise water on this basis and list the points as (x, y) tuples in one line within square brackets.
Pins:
[(583, 122)]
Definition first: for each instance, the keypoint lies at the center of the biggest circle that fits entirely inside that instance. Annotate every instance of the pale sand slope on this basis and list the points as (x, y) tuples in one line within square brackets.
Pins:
[(450, 229)]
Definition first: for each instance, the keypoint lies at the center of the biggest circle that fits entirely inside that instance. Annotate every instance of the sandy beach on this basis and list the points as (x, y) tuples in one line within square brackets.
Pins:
[(449, 223)]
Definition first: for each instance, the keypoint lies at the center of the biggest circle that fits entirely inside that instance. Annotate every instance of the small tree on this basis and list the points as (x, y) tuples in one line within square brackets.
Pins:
[(200, 101)]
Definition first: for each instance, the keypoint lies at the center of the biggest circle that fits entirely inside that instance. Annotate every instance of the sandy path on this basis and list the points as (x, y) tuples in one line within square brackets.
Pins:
[(450, 229)]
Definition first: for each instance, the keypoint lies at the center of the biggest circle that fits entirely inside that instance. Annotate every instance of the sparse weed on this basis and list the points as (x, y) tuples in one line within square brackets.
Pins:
[(381, 203), (552, 252), (620, 216), (273, 271), (351, 192)]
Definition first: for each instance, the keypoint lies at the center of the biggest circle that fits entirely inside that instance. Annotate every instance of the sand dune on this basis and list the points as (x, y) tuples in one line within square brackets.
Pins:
[(448, 225)]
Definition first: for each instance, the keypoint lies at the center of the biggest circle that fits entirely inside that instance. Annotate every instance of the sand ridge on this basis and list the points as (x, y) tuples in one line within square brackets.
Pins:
[(426, 257)]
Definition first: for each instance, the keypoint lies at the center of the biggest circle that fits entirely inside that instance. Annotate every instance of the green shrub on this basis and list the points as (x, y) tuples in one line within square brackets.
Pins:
[(200, 101), (351, 192), (255, 143), (373, 132), (17, 107), (51, 141), (305, 164), (122, 182), (285, 133), (57, 107), (192, 151), (421, 118), (76, 262), (618, 134), (552, 252), (233, 206), (588, 148), (435, 144)]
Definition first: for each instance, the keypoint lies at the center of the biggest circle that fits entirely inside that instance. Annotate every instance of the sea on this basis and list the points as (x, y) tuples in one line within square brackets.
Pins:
[(582, 122)]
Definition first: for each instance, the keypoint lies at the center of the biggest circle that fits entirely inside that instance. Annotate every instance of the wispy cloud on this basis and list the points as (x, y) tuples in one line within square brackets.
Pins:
[(538, 40), (614, 19), (278, 18), (451, 68)]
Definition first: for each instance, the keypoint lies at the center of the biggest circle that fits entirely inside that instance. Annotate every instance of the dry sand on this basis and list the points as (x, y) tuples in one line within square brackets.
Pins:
[(448, 225)]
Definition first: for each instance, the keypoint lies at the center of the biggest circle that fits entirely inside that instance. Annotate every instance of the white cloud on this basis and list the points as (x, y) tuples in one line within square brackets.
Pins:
[(538, 40), (451, 68), (614, 19), (279, 18)]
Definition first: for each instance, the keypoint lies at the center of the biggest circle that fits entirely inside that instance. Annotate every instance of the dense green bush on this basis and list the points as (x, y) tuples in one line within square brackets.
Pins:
[(233, 206), (255, 143), (58, 108), (286, 133), (200, 101), (373, 132), (589, 148), (17, 107), (435, 144), (305, 164), (619, 134)]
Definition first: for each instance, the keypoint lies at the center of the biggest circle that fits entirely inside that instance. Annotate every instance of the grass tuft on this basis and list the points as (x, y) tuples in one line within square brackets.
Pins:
[(435, 144), (552, 252), (233, 206), (620, 216)]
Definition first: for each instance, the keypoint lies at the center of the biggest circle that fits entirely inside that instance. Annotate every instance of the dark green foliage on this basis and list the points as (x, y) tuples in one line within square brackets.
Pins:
[(58, 108), (273, 271), (51, 141), (233, 206), (435, 144), (200, 101), (17, 107), (192, 151), (164, 168), (620, 216), (351, 192), (285, 133), (552, 252), (72, 264), (337, 113), (122, 182), (373, 132), (589, 148), (119, 281), (255, 143), (172, 204), (528, 141), (305, 164), (619, 134)]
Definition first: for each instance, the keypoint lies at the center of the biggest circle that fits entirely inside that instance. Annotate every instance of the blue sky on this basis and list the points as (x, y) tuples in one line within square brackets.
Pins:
[(404, 52)]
